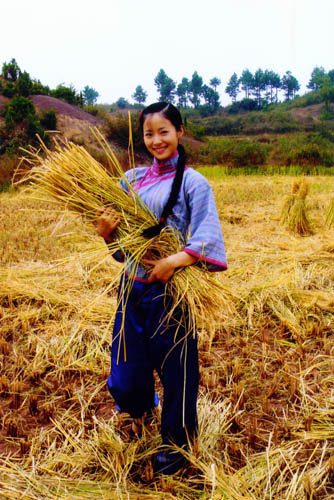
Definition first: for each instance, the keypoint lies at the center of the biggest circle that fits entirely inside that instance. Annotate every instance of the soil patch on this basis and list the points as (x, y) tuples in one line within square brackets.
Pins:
[(44, 102)]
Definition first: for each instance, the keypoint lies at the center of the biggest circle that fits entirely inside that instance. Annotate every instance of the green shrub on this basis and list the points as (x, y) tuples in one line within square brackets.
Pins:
[(24, 84), (68, 94), (34, 127), (196, 130), (327, 115), (9, 90), (17, 110), (117, 129), (49, 120), (233, 153), (39, 89), (245, 153)]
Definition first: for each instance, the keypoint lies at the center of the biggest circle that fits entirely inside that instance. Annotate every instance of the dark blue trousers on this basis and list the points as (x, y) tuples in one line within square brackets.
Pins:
[(142, 342)]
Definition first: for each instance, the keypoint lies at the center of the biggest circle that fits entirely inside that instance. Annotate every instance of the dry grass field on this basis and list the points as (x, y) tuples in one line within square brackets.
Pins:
[(266, 406)]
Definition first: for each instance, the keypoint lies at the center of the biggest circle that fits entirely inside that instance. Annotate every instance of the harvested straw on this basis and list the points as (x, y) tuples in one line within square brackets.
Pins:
[(74, 179), (294, 213), (329, 220)]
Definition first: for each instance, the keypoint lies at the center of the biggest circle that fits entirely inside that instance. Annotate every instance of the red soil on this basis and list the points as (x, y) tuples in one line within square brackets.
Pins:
[(45, 102)]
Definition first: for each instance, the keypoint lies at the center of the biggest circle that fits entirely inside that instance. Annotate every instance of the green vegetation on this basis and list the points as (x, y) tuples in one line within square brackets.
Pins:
[(254, 134)]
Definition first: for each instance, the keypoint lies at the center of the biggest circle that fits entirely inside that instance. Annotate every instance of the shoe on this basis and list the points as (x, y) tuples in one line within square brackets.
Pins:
[(168, 462)]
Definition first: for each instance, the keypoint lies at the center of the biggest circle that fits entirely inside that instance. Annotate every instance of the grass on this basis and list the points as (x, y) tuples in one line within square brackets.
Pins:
[(266, 402), (220, 172)]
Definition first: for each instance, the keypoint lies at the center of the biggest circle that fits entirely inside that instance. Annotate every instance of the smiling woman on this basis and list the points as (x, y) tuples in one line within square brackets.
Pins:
[(160, 136)]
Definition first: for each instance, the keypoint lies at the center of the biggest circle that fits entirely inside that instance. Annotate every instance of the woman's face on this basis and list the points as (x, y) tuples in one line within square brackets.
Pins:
[(160, 136)]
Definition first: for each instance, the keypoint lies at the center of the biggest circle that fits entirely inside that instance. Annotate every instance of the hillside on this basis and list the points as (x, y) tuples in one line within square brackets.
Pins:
[(289, 134)]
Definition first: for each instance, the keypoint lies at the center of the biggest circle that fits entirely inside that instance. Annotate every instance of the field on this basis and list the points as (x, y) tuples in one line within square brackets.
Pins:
[(266, 406)]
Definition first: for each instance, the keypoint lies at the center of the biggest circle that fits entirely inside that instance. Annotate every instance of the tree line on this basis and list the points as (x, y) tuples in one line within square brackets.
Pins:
[(259, 90), (19, 83)]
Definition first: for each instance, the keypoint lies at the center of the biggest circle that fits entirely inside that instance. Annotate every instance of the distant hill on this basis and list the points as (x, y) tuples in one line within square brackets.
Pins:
[(45, 102)]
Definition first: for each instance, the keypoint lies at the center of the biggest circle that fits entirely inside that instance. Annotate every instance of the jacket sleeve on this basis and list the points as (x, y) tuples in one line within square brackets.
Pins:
[(205, 239)]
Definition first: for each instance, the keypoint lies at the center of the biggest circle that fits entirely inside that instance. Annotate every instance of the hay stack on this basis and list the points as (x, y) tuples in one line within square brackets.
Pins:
[(294, 212), (329, 220)]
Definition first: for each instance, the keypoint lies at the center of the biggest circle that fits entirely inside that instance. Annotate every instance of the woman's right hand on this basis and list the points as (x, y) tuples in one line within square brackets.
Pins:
[(107, 222)]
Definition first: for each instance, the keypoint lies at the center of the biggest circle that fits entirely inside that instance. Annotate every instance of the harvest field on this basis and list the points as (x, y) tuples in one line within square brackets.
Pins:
[(266, 406)]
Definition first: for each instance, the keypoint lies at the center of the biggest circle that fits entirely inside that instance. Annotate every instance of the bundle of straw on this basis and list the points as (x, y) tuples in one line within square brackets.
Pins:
[(70, 176), (329, 220), (294, 213)]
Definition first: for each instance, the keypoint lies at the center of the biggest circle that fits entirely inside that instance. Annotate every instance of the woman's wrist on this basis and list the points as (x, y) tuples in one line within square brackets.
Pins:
[(181, 259)]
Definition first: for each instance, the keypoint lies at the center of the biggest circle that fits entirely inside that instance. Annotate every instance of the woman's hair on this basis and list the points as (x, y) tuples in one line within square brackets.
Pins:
[(172, 114)]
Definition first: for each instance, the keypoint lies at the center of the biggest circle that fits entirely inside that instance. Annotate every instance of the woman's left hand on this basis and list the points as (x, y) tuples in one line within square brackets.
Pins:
[(163, 269)]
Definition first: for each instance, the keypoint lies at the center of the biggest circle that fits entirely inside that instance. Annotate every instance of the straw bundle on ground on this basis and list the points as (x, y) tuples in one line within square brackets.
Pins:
[(73, 178), (294, 213), (329, 220)]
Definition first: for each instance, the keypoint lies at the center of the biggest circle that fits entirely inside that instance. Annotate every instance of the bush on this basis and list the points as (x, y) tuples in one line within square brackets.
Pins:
[(220, 125), (39, 89), (17, 110), (233, 153), (68, 94), (34, 127), (49, 120), (245, 153), (9, 90), (242, 106), (117, 129), (24, 84), (196, 130)]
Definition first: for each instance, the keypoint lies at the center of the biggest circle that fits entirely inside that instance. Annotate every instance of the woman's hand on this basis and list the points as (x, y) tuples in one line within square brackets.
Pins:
[(107, 223), (163, 269)]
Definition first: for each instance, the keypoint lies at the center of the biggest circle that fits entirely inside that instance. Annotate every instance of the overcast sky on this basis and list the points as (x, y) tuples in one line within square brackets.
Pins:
[(114, 45)]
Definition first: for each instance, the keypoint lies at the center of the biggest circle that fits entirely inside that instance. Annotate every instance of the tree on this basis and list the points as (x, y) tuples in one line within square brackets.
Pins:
[(232, 88), (39, 88), (182, 92), (318, 76), (259, 85), (211, 98), (68, 94), (24, 84), (11, 70), (17, 110), (90, 95), (215, 82), (272, 82), (122, 103), (327, 92), (246, 80), (290, 85), (330, 75), (165, 86), (196, 89), (139, 95)]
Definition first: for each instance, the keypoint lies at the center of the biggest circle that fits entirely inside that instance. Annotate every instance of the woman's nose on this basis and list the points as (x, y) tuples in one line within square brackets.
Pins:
[(156, 139)]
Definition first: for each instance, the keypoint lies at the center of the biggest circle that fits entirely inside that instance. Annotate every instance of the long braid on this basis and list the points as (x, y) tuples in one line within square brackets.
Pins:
[(152, 231)]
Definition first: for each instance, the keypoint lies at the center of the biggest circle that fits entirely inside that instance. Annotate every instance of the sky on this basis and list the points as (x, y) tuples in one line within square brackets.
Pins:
[(115, 45)]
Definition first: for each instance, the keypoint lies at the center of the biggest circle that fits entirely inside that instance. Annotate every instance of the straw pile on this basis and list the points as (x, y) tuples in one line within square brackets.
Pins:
[(294, 213), (70, 176), (266, 399), (329, 220)]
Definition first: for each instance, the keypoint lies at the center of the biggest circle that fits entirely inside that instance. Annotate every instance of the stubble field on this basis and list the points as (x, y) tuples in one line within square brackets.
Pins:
[(266, 405)]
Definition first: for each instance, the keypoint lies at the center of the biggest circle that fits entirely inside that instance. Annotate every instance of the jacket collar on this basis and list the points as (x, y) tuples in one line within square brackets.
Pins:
[(165, 166)]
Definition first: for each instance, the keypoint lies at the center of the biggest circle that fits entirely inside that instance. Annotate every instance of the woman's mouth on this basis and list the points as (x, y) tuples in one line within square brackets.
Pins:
[(160, 150)]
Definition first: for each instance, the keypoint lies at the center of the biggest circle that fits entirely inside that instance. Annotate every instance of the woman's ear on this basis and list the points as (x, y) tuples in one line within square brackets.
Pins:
[(180, 132)]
